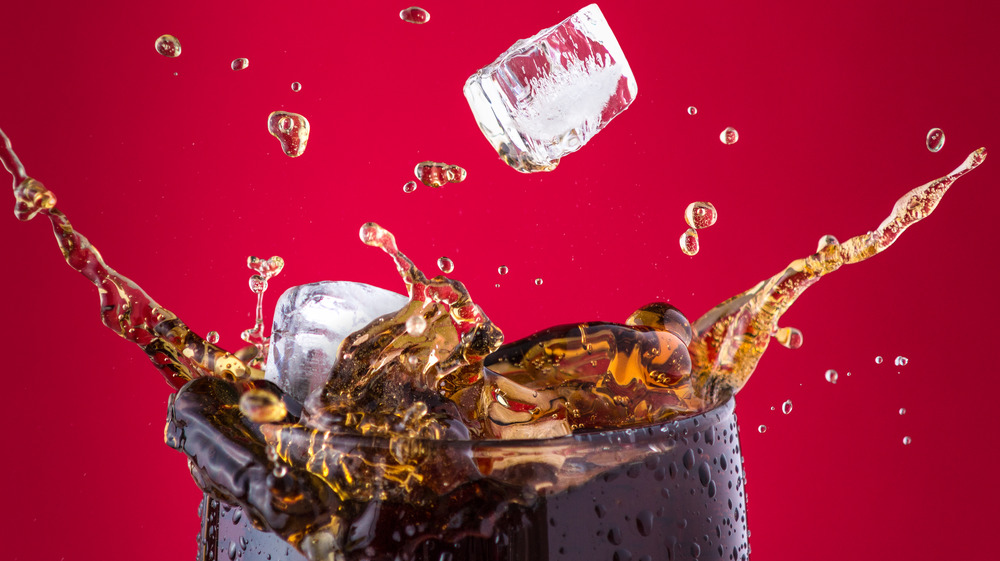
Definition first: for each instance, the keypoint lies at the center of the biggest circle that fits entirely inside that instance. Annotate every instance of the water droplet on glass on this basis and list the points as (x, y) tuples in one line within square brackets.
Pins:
[(168, 45), (446, 265), (901, 361), (689, 242), (414, 14), (935, 139), (831, 376), (502, 269), (762, 429), (878, 360), (291, 130), (907, 440), (789, 337), (786, 407), (415, 325), (212, 337), (296, 86), (700, 215), (409, 186), (240, 63), (692, 110), (538, 281), (902, 411), (729, 136)]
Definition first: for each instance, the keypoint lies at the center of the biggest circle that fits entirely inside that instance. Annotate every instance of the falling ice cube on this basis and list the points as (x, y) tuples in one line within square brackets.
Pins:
[(548, 95), (310, 321)]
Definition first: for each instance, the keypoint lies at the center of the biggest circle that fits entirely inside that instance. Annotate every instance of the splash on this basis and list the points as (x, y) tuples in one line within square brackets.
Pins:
[(264, 270)]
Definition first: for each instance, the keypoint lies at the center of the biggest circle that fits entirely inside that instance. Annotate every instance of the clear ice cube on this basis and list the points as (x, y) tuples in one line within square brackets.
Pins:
[(310, 321), (548, 95)]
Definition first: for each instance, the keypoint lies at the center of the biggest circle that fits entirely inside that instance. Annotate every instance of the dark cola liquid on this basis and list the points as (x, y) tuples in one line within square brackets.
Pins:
[(684, 500)]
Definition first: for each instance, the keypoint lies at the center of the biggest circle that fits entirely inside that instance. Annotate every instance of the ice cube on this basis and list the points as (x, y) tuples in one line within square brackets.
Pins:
[(310, 321), (549, 94)]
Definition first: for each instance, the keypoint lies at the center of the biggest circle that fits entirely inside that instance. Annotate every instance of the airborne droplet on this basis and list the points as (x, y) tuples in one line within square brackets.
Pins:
[(414, 14), (831, 376), (786, 407), (409, 186), (296, 86), (902, 411), (502, 269), (901, 361), (789, 337), (168, 45), (689, 242), (700, 215), (291, 130), (878, 360), (935, 139), (446, 265), (538, 281), (729, 136), (762, 429), (437, 174), (692, 110), (240, 63), (212, 337), (907, 440)]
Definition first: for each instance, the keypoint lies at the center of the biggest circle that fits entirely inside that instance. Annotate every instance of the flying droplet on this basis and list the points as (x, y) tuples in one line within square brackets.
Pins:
[(414, 14), (902, 411), (700, 215), (212, 337), (291, 130), (437, 174), (729, 136), (901, 361), (907, 440), (692, 110), (446, 265), (878, 360), (786, 407), (262, 406), (789, 337), (689, 242), (539, 281), (415, 325), (502, 269), (258, 284), (296, 86), (280, 470), (168, 45), (831, 376), (409, 186), (240, 63), (762, 429), (935, 139)]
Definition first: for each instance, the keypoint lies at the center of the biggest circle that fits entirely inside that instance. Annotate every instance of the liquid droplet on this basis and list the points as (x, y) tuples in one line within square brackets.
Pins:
[(786, 407), (262, 406), (240, 63), (502, 269), (789, 337), (415, 15), (280, 470), (700, 215), (935, 139), (437, 174), (878, 360), (902, 411), (415, 325), (409, 186), (729, 136), (689, 242), (446, 265), (212, 337), (291, 130), (825, 242), (762, 429), (539, 281), (901, 361), (907, 440), (296, 86), (692, 110), (168, 46), (831, 376)]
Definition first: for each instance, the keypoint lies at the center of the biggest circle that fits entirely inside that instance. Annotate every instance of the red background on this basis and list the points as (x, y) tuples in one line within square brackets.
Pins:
[(167, 166)]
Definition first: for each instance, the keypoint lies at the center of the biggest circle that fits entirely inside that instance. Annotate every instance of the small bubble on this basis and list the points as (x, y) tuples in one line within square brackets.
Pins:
[(878, 360), (901, 361), (409, 186), (168, 45), (280, 470), (935, 139), (786, 407), (689, 242), (296, 86), (762, 429), (212, 337), (902, 411), (692, 110), (414, 14), (729, 136), (700, 214), (415, 325), (907, 440), (539, 281), (502, 269), (789, 337), (831, 376), (446, 265), (240, 64)]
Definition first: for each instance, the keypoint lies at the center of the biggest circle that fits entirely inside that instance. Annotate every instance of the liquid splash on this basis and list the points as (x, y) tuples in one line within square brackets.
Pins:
[(291, 130), (264, 270)]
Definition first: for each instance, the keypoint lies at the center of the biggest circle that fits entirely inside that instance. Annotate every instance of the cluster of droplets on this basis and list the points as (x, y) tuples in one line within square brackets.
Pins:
[(291, 130), (698, 215), (437, 174), (264, 270)]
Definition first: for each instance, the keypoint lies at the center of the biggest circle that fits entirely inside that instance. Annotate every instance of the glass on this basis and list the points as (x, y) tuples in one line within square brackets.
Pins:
[(672, 491)]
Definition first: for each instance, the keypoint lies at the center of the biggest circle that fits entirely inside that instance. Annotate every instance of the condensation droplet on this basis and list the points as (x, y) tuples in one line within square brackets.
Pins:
[(878, 360), (901, 361), (296, 86), (935, 139), (907, 440), (831, 376), (168, 46), (789, 337), (240, 63), (539, 281), (729, 136), (902, 411), (786, 407), (762, 429), (502, 269), (415, 325), (446, 265), (689, 242), (692, 110), (700, 214), (409, 186), (414, 14), (212, 337)]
